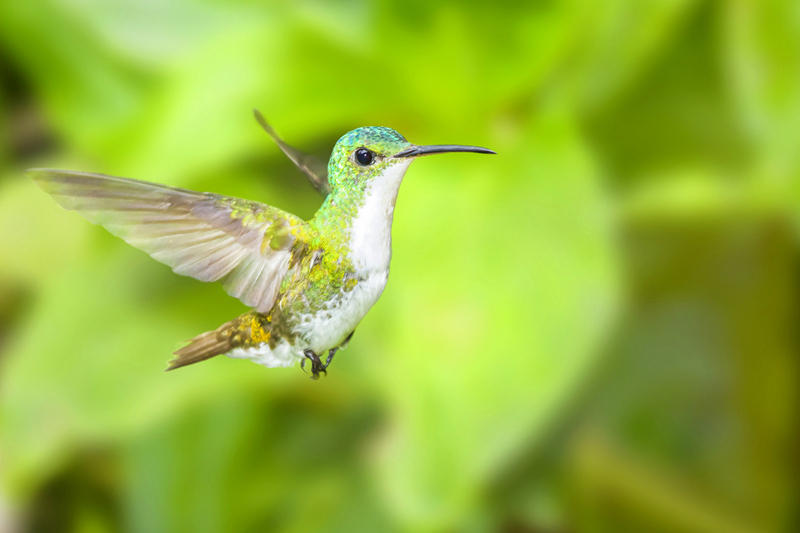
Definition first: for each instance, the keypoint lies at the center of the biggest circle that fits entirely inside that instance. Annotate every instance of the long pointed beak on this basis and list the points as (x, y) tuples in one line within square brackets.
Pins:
[(416, 151)]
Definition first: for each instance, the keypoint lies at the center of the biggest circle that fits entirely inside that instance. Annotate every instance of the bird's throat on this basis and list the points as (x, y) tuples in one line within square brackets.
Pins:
[(363, 219)]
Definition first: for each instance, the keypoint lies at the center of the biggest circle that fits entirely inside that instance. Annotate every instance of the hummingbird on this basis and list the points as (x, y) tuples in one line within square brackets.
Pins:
[(308, 283)]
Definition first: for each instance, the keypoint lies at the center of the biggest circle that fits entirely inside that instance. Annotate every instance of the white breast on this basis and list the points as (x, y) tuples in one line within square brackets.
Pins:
[(371, 230), (370, 252)]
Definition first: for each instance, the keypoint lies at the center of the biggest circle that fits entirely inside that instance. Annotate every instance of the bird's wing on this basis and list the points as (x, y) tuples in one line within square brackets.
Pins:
[(314, 169), (207, 236)]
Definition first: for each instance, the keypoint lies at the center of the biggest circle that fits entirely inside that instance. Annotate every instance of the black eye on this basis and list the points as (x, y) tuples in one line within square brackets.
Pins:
[(364, 157)]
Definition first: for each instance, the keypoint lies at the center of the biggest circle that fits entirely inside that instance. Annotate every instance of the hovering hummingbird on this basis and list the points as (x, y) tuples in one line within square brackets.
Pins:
[(309, 283)]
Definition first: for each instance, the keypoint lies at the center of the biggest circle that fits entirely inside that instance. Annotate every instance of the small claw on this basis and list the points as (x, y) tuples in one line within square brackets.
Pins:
[(318, 368), (316, 364)]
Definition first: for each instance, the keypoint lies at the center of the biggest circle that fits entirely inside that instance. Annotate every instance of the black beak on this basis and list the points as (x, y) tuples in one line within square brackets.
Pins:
[(416, 151)]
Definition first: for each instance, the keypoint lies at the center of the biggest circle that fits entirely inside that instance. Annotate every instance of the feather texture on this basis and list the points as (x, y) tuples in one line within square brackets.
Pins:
[(202, 235)]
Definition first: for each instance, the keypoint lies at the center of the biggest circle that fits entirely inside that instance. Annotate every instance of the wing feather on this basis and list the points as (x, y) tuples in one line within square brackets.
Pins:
[(206, 236), (315, 170)]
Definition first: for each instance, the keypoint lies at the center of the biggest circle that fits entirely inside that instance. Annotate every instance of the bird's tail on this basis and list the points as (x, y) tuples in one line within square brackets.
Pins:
[(249, 329)]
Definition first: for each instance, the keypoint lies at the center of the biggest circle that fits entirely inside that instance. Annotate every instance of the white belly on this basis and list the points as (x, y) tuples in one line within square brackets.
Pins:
[(322, 330), (284, 354), (328, 327)]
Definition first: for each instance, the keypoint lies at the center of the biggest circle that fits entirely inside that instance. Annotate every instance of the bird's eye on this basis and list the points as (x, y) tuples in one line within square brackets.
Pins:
[(364, 157)]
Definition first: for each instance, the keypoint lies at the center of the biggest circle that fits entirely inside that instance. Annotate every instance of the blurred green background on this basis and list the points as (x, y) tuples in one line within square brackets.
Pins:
[(595, 330)]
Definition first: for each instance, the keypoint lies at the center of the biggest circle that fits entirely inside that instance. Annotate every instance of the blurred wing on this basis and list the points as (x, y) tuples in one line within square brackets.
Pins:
[(313, 168), (202, 235)]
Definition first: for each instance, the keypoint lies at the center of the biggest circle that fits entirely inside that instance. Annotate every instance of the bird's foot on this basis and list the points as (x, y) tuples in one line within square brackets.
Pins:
[(328, 359), (316, 364)]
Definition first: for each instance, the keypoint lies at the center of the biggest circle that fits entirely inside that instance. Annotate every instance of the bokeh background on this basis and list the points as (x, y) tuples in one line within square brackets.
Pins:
[(595, 330)]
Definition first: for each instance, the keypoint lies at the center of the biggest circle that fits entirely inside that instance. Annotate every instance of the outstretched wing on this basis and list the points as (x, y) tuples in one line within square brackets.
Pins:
[(314, 169), (206, 236)]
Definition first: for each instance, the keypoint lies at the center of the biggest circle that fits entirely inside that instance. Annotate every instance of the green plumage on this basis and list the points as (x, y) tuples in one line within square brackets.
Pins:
[(309, 282)]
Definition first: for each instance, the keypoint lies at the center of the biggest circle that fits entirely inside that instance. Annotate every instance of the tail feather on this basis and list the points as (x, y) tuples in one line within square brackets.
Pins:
[(248, 329), (204, 346)]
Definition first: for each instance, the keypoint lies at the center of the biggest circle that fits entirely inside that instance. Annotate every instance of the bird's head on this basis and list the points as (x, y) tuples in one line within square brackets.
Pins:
[(365, 156)]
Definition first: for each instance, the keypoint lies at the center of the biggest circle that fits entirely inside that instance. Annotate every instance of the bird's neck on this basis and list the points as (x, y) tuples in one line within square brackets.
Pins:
[(362, 220)]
